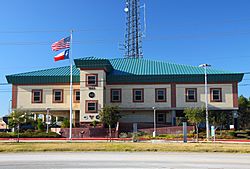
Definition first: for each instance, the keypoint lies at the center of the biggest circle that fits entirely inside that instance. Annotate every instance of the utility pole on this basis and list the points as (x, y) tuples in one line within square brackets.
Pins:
[(133, 36)]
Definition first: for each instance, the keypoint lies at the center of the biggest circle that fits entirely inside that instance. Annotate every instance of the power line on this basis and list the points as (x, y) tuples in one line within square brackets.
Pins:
[(162, 38), (57, 30), (103, 28)]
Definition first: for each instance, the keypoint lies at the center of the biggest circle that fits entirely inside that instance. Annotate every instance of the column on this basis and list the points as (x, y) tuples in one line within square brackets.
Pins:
[(173, 117)]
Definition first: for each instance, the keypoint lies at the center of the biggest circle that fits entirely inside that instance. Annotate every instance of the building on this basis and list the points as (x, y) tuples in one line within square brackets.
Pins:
[(135, 85)]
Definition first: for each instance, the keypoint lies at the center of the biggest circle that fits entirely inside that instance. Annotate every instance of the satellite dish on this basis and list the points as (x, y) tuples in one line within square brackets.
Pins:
[(126, 9)]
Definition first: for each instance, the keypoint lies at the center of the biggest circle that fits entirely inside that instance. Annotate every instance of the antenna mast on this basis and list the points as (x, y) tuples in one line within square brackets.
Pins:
[(133, 36)]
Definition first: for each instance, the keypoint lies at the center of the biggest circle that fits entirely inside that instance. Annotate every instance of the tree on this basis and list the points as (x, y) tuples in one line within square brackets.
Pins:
[(218, 119), (40, 125), (19, 117), (195, 116), (65, 123), (109, 116), (244, 112)]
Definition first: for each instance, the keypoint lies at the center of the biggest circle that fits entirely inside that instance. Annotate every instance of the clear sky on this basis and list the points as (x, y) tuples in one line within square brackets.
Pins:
[(181, 31)]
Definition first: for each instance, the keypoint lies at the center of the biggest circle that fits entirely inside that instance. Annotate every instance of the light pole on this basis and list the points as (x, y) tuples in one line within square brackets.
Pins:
[(10, 106), (154, 132), (47, 120), (206, 98)]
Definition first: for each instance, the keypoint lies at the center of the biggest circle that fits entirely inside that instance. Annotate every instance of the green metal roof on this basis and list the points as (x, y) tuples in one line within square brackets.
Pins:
[(94, 62), (54, 75), (127, 70), (151, 67)]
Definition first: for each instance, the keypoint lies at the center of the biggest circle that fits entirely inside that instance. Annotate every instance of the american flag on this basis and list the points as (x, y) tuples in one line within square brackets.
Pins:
[(61, 44)]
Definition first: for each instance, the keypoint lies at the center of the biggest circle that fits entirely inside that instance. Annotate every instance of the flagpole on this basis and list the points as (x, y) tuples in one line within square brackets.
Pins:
[(71, 86)]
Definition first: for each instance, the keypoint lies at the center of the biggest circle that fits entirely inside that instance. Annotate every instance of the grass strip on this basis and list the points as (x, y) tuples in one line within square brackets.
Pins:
[(124, 147)]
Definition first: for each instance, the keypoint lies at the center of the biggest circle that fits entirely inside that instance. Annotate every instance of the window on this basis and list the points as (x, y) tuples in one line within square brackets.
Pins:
[(138, 95), (37, 96), (115, 95), (91, 79), (57, 96), (191, 95), (77, 96), (161, 118), (91, 106), (160, 95), (215, 95)]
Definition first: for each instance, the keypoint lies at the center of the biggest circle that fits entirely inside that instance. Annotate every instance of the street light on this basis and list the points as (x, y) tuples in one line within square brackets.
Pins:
[(154, 132), (10, 106), (205, 66), (47, 120)]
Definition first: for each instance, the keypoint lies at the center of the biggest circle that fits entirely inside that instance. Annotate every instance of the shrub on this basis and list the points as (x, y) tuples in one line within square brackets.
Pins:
[(95, 123), (231, 133), (40, 125), (8, 135), (65, 123), (123, 135), (30, 135)]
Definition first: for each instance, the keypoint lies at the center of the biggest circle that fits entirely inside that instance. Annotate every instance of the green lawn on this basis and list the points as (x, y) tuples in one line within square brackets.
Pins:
[(133, 147)]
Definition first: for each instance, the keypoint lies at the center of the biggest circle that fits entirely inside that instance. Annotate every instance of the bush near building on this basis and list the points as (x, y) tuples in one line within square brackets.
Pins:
[(30, 135)]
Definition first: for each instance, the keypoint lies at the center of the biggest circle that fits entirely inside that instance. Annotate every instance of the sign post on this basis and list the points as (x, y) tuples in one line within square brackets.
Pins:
[(213, 132), (184, 132)]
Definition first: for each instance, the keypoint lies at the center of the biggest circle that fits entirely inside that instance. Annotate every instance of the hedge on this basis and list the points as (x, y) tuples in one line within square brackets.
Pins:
[(30, 135)]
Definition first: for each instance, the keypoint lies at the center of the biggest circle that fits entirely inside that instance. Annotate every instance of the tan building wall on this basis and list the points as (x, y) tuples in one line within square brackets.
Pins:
[(85, 90), (24, 97), (142, 117), (227, 96), (149, 96), (102, 94)]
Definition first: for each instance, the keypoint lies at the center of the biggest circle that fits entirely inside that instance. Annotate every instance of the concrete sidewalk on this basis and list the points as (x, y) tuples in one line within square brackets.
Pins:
[(115, 140)]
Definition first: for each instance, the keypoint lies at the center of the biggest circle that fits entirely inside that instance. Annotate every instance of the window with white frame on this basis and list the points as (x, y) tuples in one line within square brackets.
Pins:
[(77, 95), (91, 79), (138, 95), (160, 95), (37, 96), (216, 95), (91, 106), (115, 95), (57, 96), (191, 95)]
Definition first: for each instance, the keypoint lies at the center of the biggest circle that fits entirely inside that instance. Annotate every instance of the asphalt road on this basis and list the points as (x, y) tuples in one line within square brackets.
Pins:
[(123, 160)]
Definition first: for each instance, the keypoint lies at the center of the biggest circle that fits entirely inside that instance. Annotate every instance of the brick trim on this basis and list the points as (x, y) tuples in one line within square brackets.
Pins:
[(195, 94), (14, 96), (165, 95), (111, 98), (41, 96), (91, 101), (211, 94), (62, 96), (173, 95), (235, 94), (138, 101), (86, 82), (76, 101)]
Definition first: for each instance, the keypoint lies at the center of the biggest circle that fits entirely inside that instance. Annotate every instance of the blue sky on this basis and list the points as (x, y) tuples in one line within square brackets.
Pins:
[(186, 32)]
